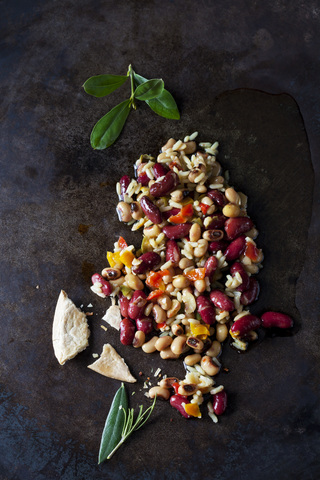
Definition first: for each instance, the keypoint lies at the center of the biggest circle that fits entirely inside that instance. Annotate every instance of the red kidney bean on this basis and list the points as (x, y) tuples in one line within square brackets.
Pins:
[(168, 213), (174, 232), (165, 186), (237, 267), (276, 319), (235, 248), (221, 300), (217, 221), (242, 326), (236, 226), (160, 170), (176, 402), (217, 245), (105, 285), (137, 304), (219, 403), (206, 310), (211, 266), (124, 184), (123, 304), (217, 197), (127, 331), (250, 295), (150, 210), (144, 324), (173, 252), (143, 179), (148, 261)]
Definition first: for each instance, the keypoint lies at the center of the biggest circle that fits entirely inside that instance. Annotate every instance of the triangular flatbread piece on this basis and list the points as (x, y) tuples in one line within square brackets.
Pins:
[(70, 331), (113, 316), (111, 365)]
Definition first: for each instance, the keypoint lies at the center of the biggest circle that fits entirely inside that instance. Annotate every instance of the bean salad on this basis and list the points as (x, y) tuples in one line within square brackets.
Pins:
[(189, 286)]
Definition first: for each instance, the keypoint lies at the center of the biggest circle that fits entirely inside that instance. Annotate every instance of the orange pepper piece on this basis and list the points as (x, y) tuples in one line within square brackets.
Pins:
[(183, 216), (155, 294), (204, 208), (154, 279), (252, 251), (192, 409), (122, 243), (196, 274)]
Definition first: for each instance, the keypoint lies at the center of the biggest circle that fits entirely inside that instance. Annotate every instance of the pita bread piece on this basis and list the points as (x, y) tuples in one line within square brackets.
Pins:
[(111, 365), (70, 331), (113, 316)]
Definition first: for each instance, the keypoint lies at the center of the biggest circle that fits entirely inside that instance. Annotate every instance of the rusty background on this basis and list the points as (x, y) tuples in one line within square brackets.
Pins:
[(243, 73)]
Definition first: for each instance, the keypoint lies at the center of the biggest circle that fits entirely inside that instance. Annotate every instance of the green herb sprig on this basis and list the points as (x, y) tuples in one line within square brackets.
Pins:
[(120, 424), (108, 128)]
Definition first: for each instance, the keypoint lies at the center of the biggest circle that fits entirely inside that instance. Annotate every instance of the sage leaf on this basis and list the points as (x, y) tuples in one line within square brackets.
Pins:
[(102, 85), (149, 89), (163, 105), (113, 427), (108, 128)]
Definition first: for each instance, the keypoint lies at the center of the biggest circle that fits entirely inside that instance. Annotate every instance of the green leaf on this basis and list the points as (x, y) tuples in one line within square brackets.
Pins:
[(108, 128), (149, 89), (102, 85), (164, 105), (112, 431)]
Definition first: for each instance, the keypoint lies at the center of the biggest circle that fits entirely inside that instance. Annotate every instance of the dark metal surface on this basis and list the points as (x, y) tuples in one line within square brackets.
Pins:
[(210, 55)]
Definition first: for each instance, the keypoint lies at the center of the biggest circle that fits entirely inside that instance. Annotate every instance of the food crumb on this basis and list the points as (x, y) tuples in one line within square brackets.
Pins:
[(37, 287), (140, 373), (95, 355), (104, 328)]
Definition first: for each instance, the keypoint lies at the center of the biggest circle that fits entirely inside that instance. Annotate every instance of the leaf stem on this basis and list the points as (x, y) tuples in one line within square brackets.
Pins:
[(131, 73)]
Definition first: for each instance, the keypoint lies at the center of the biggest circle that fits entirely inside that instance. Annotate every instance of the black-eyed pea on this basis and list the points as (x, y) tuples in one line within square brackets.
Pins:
[(169, 144), (221, 332), (215, 348), (178, 345), (191, 360), (186, 262), (200, 285), (163, 342), (180, 282), (162, 393), (232, 196), (187, 389), (134, 282), (139, 339), (136, 211), (150, 346), (168, 382), (167, 279), (201, 248), (169, 288), (201, 188), (159, 314), (177, 330), (209, 366), (164, 301), (177, 195), (194, 235), (218, 179), (111, 273), (118, 282), (231, 210), (176, 305), (152, 231), (191, 147), (216, 170), (167, 354), (124, 212), (195, 343)]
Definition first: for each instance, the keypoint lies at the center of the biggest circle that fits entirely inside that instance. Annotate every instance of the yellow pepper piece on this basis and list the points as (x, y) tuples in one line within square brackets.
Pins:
[(114, 259), (186, 201), (127, 257), (198, 329), (192, 409)]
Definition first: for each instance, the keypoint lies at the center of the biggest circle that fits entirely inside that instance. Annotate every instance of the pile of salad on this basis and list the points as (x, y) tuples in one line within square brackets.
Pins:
[(189, 286)]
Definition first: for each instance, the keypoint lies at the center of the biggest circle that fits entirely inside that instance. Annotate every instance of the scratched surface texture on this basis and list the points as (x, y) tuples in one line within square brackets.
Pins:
[(244, 73)]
